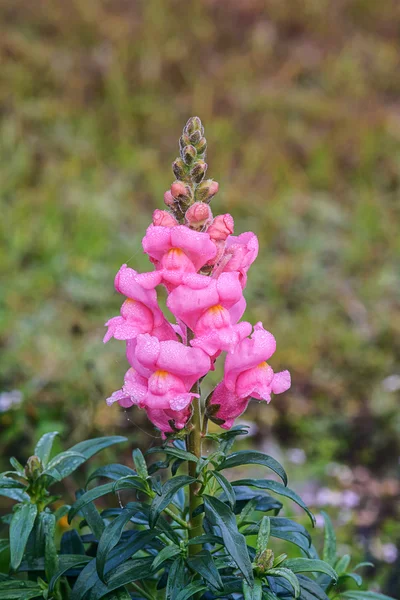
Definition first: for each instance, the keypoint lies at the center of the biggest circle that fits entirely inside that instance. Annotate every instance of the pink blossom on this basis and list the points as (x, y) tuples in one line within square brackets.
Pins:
[(164, 218), (169, 200), (198, 216), (139, 313), (221, 227), (211, 308), (248, 374), (239, 254), (224, 406), (161, 378)]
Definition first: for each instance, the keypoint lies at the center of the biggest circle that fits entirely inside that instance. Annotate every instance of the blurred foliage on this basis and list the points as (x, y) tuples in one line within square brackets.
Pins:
[(300, 100)]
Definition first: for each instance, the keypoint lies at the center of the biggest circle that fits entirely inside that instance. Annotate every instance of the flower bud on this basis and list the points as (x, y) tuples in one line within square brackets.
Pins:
[(198, 171), (206, 190), (169, 199), (195, 137), (189, 154), (198, 216), (178, 167), (33, 467), (193, 124), (221, 227), (178, 189), (164, 218), (201, 146), (184, 140), (265, 560)]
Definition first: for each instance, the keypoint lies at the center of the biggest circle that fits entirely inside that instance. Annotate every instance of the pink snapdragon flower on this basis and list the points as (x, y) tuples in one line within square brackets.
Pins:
[(164, 218), (211, 308), (219, 230), (247, 375), (140, 313), (161, 378), (239, 254), (176, 251)]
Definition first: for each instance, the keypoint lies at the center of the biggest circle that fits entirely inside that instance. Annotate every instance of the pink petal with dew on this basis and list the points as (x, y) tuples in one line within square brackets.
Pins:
[(197, 245), (157, 241), (230, 406), (281, 382), (255, 382)]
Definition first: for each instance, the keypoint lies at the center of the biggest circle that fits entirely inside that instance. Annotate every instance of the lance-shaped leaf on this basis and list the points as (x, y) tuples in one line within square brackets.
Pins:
[(21, 526), (9, 483), (50, 552), (88, 497), (220, 515), (67, 562), (140, 463), (278, 488), (175, 452), (307, 565), (250, 457), (226, 487), (169, 489), (190, 590), (254, 592), (14, 589), (113, 471), (44, 446), (166, 554), (356, 595), (329, 553), (111, 536), (342, 564), (91, 447), (289, 576), (131, 570), (63, 465), (176, 578), (203, 564), (71, 543), (263, 535)]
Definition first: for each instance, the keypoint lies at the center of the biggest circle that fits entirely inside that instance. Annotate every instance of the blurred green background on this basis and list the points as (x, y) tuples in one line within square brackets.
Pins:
[(300, 100)]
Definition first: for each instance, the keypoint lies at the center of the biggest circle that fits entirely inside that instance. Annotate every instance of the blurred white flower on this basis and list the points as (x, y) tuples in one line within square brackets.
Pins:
[(391, 383), (297, 456), (10, 399)]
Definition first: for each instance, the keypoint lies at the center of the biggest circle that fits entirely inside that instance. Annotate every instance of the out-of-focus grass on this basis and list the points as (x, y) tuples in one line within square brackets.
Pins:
[(301, 106)]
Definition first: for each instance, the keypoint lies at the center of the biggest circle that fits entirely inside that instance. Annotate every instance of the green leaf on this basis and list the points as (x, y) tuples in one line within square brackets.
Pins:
[(176, 578), (63, 465), (9, 483), (342, 564), (289, 576), (113, 471), (50, 552), (21, 526), (71, 543), (91, 447), (226, 487), (17, 466), (278, 488), (268, 595), (166, 554), (91, 515), (44, 446), (131, 482), (354, 576), (307, 565), (120, 594), (250, 457), (169, 489), (203, 564), (15, 494), (363, 564), (358, 595), (329, 552), (4, 544), (14, 589), (67, 562), (263, 535), (131, 570), (88, 497), (190, 590), (173, 451), (252, 592), (206, 539), (111, 536), (140, 464), (220, 515)]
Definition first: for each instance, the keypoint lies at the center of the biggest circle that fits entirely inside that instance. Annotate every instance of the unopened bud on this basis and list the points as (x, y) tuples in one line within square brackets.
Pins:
[(201, 146), (33, 467), (163, 218), (198, 171), (195, 137), (198, 216), (178, 189), (184, 140), (169, 199), (206, 190), (189, 154), (178, 167), (193, 124), (221, 227), (265, 560)]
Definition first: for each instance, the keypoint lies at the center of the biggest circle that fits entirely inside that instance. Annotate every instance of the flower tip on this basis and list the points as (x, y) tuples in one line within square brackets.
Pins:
[(163, 218)]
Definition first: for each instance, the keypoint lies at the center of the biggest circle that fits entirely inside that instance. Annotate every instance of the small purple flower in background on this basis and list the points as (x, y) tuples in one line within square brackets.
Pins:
[(10, 400)]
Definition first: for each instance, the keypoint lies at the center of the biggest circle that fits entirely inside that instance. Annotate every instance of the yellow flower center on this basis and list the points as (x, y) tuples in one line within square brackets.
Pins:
[(263, 365), (160, 373)]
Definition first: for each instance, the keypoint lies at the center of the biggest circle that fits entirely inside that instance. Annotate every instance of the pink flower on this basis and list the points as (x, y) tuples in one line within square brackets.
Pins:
[(176, 251), (164, 218), (198, 216), (239, 254), (161, 379), (247, 375), (221, 227), (211, 308), (139, 313)]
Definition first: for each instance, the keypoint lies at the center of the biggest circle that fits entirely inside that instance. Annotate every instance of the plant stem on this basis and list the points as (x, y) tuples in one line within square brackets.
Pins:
[(176, 518), (193, 444), (141, 590)]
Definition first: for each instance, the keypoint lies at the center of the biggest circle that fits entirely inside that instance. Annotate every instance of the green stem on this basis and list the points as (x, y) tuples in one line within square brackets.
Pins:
[(176, 518), (193, 444), (141, 591)]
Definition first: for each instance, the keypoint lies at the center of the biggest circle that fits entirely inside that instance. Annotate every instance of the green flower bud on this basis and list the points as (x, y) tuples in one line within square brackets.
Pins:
[(178, 167), (198, 171), (193, 124), (33, 468), (201, 146), (189, 154), (265, 560)]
